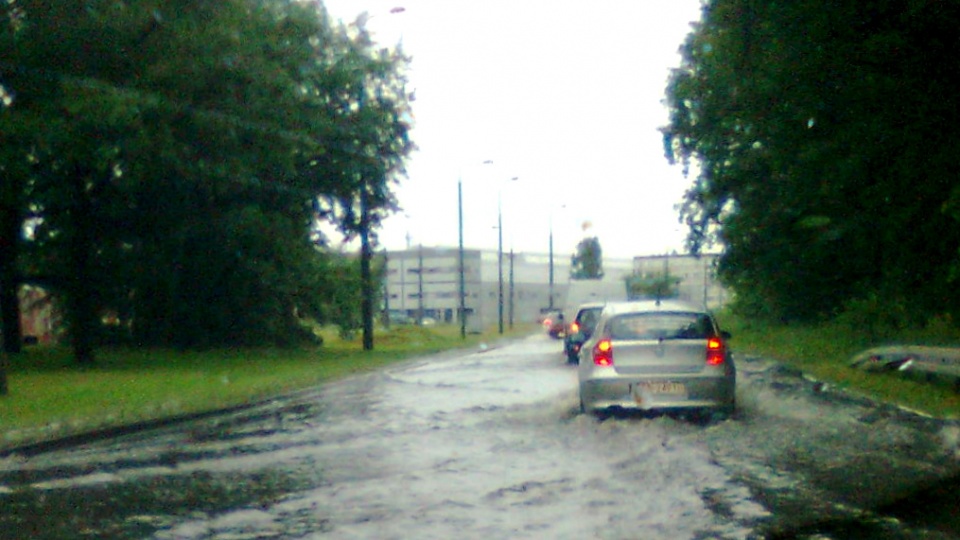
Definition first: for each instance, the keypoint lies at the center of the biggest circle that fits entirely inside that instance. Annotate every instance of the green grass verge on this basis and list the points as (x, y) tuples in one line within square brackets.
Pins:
[(50, 397), (824, 351)]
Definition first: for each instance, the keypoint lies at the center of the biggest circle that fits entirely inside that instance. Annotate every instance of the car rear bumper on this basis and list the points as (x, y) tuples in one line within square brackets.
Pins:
[(628, 393)]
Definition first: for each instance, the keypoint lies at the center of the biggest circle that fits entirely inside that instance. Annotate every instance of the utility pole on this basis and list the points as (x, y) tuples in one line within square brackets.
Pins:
[(386, 290), (463, 288), (550, 301), (500, 265), (511, 288), (705, 291), (420, 285)]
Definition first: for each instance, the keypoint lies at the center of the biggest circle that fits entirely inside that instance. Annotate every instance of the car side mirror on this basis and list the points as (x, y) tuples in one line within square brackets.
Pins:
[(725, 335)]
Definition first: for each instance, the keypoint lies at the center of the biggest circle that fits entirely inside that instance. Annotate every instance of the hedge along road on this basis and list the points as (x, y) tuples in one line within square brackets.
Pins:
[(489, 445)]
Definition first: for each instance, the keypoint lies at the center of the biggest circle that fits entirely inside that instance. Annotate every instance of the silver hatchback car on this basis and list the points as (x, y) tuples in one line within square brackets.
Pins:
[(657, 355)]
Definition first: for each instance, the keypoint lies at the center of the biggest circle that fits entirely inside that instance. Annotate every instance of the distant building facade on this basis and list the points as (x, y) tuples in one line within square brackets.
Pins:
[(39, 318), (425, 282)]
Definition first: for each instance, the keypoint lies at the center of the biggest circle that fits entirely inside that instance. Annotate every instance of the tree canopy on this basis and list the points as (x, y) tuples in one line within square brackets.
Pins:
[(174, 159), (587, 262), (822, 139), (655, 285)]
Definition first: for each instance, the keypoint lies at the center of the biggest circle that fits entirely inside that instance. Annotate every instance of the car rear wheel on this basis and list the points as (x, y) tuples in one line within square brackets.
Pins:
[(723, 413)]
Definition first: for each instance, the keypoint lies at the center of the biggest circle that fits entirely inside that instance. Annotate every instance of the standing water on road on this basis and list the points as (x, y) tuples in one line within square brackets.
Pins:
[(481, 444)]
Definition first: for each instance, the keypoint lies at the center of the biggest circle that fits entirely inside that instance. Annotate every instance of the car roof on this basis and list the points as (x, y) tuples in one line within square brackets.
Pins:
[(592, 305), (666, 305)]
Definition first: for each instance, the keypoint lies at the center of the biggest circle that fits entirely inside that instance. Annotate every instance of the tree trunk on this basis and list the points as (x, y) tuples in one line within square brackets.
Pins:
[(82, 315), (366, 282), (3, 373), (10, 308), (10, 226)]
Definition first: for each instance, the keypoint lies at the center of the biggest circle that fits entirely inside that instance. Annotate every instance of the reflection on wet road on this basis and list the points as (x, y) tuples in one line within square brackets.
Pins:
[(486, 445)]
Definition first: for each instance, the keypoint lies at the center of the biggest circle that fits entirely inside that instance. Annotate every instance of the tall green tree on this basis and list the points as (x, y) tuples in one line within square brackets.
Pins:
[(12, 208), (821, 138), (179, 151), (587, 262), (373, 110)]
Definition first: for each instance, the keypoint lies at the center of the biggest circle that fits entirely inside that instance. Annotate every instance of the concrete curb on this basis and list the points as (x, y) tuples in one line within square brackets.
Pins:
[(76, 439), (930, 363), (828, 390)]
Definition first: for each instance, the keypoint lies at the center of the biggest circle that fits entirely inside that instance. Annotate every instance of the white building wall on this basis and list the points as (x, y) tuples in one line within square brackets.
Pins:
[(531, 283), (440, 284)]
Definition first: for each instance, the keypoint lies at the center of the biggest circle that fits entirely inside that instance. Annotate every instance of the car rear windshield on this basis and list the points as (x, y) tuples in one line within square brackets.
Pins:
[(588, 317), (661, 326)]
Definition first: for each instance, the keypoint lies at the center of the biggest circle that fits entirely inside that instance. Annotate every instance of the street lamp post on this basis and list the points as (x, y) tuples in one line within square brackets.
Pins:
[(463, 283), (500, 259)]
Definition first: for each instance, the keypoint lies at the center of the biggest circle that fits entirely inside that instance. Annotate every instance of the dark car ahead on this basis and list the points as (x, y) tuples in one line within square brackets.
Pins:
[(580, 329), (556, 327)]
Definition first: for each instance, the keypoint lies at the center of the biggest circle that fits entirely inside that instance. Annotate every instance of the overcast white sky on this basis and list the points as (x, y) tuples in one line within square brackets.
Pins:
[(566, 96)]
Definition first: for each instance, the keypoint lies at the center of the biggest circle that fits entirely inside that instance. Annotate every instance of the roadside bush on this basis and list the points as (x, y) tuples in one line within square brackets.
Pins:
[(877, 316)]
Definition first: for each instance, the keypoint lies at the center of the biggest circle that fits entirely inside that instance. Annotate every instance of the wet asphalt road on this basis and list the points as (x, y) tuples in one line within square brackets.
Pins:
[(489, 444)]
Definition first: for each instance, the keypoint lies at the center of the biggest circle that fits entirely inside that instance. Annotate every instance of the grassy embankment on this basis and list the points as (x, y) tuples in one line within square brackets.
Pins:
[(824, 351), (50, 397)]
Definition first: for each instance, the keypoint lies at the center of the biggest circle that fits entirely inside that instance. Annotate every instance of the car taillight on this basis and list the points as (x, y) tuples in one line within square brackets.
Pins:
[(603, 353), (715, 351), (574, 328)]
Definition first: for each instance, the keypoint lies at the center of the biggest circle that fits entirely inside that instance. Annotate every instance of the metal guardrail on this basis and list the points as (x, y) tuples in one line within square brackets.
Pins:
[(931, 362)]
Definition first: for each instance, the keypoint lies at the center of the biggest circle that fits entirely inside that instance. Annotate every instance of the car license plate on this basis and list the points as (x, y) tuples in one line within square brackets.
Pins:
[(673, 388)]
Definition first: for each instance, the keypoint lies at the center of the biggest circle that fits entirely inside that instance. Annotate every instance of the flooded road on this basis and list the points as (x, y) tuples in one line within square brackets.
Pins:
[(489, 444)]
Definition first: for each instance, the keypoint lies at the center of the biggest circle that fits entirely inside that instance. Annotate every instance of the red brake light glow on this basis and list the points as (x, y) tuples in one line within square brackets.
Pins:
[(574, 328), (603, 353), (715, 351)]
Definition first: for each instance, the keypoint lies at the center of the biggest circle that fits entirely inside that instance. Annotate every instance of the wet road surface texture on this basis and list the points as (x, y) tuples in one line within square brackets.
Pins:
[(490, 444)]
